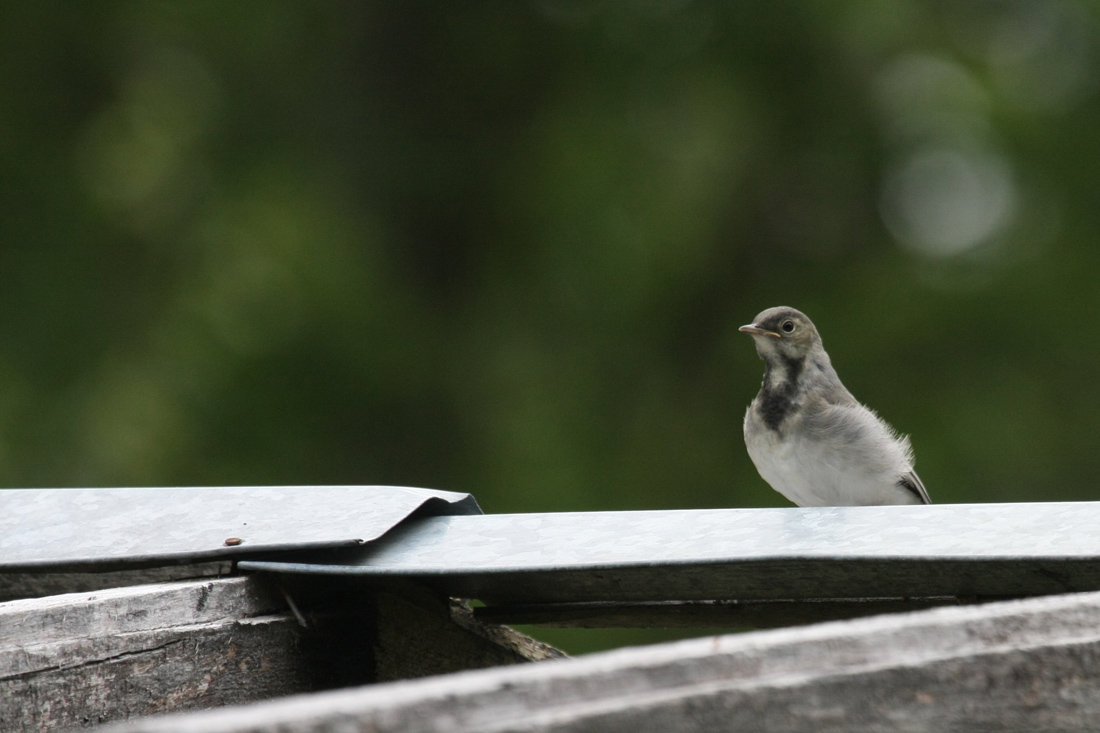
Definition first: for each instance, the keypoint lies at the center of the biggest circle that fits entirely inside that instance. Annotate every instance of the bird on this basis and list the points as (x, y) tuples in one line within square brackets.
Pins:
[(809, 438)]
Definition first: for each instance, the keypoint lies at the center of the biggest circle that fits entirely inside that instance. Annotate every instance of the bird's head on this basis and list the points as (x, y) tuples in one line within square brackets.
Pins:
[(783, 332)]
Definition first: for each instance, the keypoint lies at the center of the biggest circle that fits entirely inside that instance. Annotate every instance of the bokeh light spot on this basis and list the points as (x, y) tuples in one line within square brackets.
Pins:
[(944, 201)]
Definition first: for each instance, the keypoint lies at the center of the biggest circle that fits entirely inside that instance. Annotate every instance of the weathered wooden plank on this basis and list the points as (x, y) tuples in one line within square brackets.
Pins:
[(710, 614), (419, 635), (81, 659), (85, 658), (1017, 666), (38, 584), (77, 617)]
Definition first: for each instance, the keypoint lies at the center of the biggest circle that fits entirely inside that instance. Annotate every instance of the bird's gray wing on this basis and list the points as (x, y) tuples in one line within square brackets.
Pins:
[(910, 480)]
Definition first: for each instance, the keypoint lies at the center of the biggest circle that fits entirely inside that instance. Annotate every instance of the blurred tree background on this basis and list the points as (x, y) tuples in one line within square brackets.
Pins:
[(504, 248)]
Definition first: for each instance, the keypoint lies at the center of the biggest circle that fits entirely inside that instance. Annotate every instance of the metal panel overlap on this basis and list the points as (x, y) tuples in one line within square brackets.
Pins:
[(979, 549), (62, 528)]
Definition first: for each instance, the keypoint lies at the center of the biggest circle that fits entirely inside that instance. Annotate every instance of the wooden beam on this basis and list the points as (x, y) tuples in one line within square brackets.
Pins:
[(82, 659), (698, 614), (1018, 665), (14, 586)]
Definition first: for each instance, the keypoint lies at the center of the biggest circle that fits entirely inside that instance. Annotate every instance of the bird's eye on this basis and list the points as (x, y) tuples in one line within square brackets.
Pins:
[(787, 326)]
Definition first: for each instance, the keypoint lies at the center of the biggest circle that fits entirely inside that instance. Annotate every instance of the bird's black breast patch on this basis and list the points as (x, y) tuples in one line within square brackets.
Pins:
[(777, 401)]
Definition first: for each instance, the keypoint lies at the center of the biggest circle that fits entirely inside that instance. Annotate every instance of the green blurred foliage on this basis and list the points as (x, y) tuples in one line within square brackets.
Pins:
[(504, 248)]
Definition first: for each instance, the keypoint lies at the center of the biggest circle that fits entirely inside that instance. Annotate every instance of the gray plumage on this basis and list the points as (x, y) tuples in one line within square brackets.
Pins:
[(809, 437)]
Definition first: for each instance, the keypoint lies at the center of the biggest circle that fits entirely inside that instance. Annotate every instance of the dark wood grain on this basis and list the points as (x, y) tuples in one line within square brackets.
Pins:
[(82, 659), (1030, 665)]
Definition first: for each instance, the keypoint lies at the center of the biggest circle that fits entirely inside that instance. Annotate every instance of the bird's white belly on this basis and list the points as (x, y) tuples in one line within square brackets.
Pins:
[(809, 474)]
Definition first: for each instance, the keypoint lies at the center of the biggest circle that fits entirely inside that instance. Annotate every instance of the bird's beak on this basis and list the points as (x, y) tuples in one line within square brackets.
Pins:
[(755, 330)]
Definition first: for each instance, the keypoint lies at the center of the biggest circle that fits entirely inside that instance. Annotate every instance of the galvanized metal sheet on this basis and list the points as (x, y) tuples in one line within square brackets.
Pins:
[(979, 549), (59, 528)]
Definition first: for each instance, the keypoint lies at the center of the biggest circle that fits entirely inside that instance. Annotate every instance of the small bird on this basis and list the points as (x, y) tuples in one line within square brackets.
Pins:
[(809, 437)]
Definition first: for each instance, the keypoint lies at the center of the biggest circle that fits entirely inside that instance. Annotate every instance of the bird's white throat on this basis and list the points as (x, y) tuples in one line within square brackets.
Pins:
[(778, 375)]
